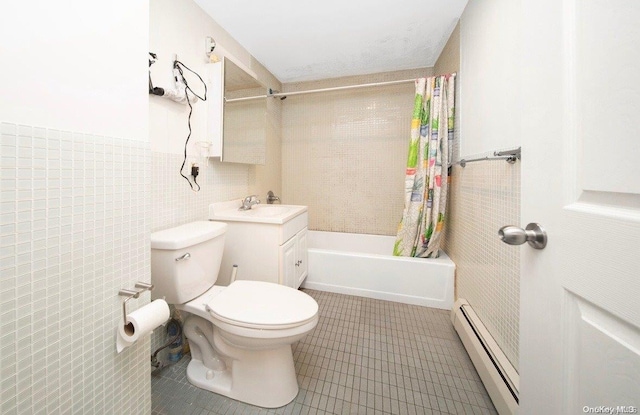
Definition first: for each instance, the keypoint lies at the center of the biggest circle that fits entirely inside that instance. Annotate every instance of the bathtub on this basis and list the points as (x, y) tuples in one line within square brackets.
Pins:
[(362, 265)]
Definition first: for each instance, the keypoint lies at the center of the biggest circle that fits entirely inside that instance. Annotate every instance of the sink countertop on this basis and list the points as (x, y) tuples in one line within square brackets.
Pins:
[(261, 213)]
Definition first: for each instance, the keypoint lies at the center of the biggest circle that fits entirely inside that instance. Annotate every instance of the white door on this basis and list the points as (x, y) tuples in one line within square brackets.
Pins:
[(580, 297)]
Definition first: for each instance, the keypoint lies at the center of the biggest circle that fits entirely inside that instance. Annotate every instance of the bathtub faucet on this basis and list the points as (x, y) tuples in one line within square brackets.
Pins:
[(249, 201), (272, 198)]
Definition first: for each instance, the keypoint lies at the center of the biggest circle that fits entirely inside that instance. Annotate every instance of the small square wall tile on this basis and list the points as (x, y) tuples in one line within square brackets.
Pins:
[(52, 263), (484, 197)]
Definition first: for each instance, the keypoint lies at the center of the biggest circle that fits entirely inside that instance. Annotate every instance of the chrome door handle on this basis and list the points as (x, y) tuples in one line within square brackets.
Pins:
[(534, 234), (185, 256)]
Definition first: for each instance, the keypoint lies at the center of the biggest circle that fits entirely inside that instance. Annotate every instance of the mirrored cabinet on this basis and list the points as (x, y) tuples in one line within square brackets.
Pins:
[(237, 115)]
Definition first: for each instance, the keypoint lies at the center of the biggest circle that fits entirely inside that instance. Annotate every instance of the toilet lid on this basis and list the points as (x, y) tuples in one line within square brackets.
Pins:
[(257, 303)]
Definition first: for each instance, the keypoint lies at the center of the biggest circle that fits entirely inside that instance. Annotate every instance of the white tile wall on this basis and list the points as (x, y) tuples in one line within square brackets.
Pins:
[(74, 230), (344, 153), (269, 176), (245, 131), (485, 196), (172, 200)]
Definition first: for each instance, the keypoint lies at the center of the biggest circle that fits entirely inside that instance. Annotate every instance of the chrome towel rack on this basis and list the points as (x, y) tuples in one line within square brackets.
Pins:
[(510, 156)]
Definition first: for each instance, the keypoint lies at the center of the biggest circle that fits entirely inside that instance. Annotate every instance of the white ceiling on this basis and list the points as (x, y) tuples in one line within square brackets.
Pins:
[(308, 40)]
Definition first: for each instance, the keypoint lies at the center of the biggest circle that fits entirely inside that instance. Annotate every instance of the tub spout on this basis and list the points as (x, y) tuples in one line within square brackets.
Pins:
[(272, 198)]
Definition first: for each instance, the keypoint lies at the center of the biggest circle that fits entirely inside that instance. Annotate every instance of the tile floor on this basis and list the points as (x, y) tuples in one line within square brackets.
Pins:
[(364, 357)]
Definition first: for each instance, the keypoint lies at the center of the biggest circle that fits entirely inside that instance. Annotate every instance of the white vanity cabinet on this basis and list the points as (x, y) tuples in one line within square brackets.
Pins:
[(263, 251)]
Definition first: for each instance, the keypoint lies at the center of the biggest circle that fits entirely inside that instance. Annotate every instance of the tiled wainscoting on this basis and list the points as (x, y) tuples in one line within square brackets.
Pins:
[(73, 232), (172, 200), (485, 196)]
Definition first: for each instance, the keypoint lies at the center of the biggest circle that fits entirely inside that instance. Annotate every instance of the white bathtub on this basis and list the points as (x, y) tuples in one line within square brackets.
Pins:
[(362, 265)]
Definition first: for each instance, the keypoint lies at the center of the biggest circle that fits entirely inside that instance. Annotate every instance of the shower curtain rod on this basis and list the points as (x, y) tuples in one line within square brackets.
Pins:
[(313, 91), (510, 156)]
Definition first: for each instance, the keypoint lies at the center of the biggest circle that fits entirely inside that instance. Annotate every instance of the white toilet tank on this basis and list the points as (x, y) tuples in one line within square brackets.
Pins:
[(185, 260)]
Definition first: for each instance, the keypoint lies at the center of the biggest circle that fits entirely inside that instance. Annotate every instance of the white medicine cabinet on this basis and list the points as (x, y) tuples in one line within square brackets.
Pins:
[(236, 115)]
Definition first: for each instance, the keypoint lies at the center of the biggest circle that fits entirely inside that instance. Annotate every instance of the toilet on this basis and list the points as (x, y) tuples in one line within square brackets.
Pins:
[(240, 336)]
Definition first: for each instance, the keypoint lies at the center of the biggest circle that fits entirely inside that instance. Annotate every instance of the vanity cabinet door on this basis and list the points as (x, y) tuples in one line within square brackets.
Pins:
[(302, 257), (288, 259), (293, 260)]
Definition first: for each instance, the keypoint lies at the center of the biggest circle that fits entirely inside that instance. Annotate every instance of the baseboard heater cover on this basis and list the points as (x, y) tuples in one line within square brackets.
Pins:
[(496, 372)]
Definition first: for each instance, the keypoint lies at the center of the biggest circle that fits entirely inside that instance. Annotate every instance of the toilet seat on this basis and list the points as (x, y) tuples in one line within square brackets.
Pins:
[(262, 305)]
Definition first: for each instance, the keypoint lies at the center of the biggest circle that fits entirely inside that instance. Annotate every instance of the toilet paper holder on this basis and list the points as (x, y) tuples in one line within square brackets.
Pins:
[(142, 287)]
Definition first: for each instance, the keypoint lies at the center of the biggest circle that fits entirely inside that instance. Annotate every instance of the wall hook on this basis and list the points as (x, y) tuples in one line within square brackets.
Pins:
[(209, 45)]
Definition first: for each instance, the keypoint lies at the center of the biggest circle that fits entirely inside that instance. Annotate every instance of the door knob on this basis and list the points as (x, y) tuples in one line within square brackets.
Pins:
[(534, 234)]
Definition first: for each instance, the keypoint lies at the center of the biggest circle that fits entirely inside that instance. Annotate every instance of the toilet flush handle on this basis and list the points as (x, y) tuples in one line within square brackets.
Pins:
[(185, 256)]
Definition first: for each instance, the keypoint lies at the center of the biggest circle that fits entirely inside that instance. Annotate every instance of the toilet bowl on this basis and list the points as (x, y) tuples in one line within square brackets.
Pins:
[(240, 336)]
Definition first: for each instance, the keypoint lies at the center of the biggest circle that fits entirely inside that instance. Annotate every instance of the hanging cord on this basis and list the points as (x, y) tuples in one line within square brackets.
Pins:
[(179, 65), (196, 183)]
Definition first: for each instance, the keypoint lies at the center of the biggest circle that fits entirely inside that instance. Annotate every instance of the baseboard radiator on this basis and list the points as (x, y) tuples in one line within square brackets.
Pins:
[(498, 374)]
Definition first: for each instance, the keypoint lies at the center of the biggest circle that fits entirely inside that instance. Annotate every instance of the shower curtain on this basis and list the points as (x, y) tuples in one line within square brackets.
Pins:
[(420, 231)]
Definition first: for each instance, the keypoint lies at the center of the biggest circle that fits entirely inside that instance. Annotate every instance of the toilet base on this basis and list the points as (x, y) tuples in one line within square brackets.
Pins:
[(261, 377), (264, 378), (215, 381)]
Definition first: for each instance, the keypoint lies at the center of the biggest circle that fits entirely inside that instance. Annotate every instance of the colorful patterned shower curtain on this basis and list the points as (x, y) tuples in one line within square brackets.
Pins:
[(420, 231)]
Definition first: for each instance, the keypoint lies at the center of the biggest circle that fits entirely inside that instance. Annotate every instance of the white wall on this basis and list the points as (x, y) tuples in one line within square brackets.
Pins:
[(75, 65), (180, 27), (486, 195), (73, 204), (489, 105)]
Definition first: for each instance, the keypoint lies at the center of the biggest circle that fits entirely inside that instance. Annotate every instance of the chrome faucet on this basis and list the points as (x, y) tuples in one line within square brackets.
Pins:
[(271, 198), (249, 201)]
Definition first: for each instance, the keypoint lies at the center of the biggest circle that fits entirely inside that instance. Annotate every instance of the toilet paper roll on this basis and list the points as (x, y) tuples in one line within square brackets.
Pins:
[(141, 322)]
